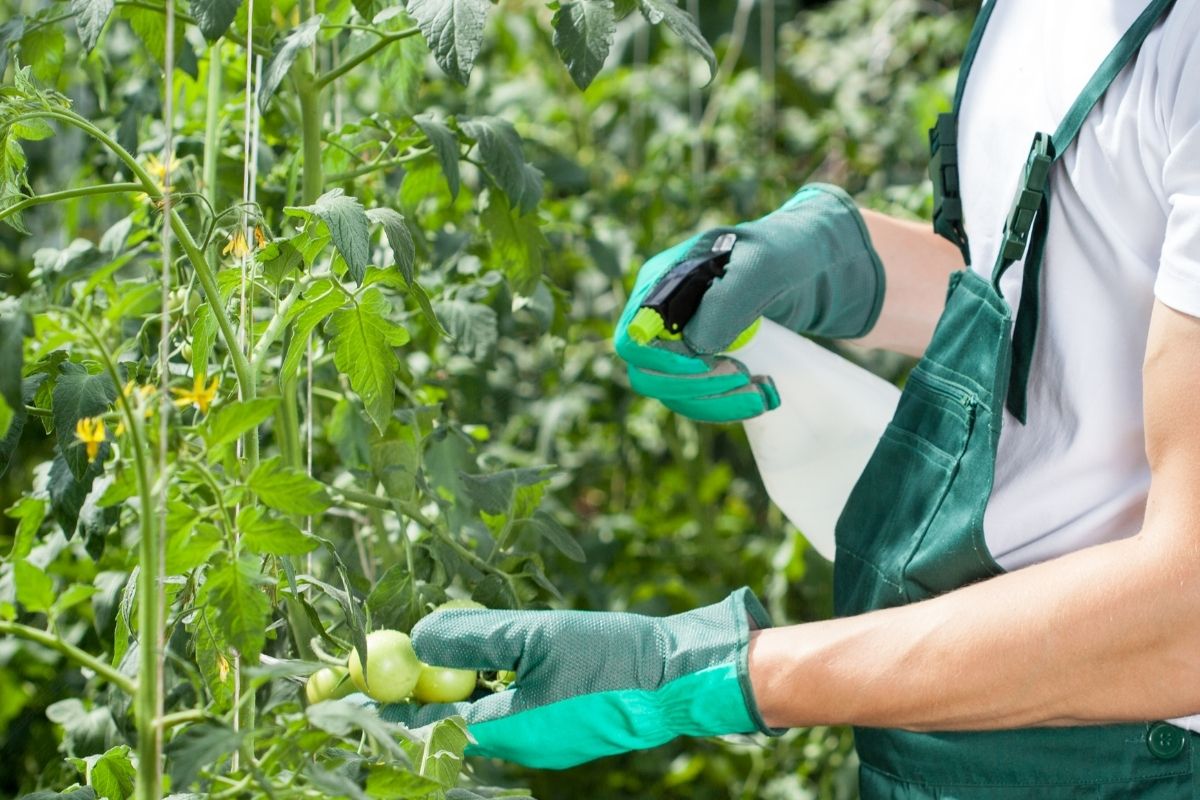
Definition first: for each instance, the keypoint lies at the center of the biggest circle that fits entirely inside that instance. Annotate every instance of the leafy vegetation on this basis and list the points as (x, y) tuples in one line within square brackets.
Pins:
[(306, 363)]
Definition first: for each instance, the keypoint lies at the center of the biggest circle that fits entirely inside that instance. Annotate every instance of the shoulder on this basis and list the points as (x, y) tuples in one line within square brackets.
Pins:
[(1178, 71)]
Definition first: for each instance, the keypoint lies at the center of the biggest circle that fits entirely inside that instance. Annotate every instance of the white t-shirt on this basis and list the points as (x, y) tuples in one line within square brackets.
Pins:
[(1125, 228)]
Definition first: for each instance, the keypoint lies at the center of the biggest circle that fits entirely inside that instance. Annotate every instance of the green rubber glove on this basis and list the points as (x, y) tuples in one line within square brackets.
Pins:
[(808, 266), (593, 684)]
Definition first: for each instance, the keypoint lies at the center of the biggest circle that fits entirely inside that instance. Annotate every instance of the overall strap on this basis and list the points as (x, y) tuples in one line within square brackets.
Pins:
[(1028, 221), (943, 148)]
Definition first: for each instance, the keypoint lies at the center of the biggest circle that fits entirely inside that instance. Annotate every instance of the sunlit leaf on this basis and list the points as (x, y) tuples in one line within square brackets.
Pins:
[(454, 31), (363, 341), (583, 34)]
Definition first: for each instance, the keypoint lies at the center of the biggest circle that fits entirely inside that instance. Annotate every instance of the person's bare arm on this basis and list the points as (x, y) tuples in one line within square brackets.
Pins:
[(1106, 634), (918, 264)]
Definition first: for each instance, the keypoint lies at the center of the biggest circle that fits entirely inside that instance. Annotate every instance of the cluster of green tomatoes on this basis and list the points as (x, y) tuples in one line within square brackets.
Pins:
[(394, 674)]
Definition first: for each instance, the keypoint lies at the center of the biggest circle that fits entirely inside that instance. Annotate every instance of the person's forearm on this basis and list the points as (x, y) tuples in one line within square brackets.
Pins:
[(917, 263), (1107, 634)]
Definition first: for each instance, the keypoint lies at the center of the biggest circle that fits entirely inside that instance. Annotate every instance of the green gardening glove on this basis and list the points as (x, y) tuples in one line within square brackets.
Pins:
[(593, 684), (808, 266)]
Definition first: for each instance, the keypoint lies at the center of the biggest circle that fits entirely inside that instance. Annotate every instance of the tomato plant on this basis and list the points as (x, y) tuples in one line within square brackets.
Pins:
[(294, 323)]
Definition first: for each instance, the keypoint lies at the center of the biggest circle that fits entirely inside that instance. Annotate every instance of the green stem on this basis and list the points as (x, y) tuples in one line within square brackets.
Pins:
[(184, 717), (212, 124), (275, 326), (72, 652), (352, 62), (312, 181), (68, 194), (375, 167)]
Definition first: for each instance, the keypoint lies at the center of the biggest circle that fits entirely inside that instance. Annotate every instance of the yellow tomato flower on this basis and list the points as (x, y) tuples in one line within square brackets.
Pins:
[(260, 238), (160, 170), (237, 246), (199, 395), (90, 431)]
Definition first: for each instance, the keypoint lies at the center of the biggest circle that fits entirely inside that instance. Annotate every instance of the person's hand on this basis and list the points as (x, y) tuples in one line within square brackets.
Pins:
[(808, 266), (593, 684)]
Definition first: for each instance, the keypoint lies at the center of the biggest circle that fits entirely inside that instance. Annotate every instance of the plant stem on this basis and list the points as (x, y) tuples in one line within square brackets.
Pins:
[(68, 194), (275, 326), (72, 652), (212, 124), (350, 63), (375, 167)]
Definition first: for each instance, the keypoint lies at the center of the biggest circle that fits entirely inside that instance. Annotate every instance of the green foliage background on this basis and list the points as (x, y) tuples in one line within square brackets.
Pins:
[(649, 512)]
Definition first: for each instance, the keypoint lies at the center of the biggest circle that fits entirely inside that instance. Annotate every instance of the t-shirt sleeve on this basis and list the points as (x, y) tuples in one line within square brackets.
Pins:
[(1178, 282)]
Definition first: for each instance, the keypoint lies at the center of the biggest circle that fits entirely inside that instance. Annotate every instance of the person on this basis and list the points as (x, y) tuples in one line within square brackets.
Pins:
[(1017, 579)]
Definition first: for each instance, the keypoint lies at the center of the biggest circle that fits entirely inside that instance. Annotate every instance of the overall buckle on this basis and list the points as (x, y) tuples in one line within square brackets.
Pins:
[(943, 171), (1030, 193)]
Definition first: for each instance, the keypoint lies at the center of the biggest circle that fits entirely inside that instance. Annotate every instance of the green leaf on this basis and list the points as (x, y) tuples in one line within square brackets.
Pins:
[(395, 459), (493, 493), (151, 27), (385, 782), (287, 488), (214, 16), (197, 747), (68, 493), (504, 161), (204, 334), (35, 589), (680, 21), (363, 340), (348, 226), (79, 394), (10, 32), (445, 145), (399, 238), (272, 535), (318, 302), (44, 48), (300, 38), (454, 31), (82, 793), (547, 526), (517, 244), (443, 756), (112, 774), (30, 513), (13, 330), (90, 16), (472, 326), (340, 718), (234, 591), (228, 422), (583, 35)]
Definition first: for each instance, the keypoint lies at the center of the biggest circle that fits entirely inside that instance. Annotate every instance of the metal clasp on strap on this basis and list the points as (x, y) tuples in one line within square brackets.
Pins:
[(1029, 198), (943, 171)]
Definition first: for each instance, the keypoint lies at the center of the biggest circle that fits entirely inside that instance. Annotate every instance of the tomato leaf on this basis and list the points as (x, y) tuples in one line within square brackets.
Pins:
[(10, 32), (363, 340), (35, 589), (472, 326), (385, 782), (504, 161), (204, 334), (399, 237), (298, 39), (13, 330), (583, 35), (395, 458), (319, 301), (29, 512), (684, 25), (234, 591), (517, 244), (90, 16), (348, 226), (273, 535), (79, 394), (287, 488), (214, 16), (549, 528), (112, 774), (197, 747), (340, 718), (445, 145), (68, 493), (228, 422), (454, 31), (493, 493)]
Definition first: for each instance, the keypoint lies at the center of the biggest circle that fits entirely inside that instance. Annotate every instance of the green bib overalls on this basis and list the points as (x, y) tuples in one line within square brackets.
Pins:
[(913, 525)]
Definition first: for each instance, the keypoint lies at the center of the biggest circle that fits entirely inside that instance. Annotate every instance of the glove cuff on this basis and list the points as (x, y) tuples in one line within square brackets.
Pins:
[(755, 618)]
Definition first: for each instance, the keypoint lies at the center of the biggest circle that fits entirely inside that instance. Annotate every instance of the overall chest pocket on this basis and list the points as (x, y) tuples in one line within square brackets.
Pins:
[(901, 491)]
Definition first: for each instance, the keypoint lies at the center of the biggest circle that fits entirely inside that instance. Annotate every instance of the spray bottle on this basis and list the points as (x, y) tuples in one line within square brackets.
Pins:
[(810, 450)]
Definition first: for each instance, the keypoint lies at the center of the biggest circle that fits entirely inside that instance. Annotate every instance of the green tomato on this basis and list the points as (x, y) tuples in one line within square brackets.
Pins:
[(327, 683), (506, 676), (444, 684), (392, 667), (452, 604)]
